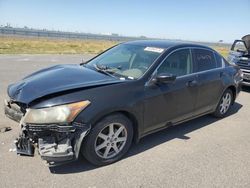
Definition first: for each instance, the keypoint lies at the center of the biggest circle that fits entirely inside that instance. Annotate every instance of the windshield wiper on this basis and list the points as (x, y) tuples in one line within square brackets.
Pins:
[(104, 69), (108, 68), (111, 71)]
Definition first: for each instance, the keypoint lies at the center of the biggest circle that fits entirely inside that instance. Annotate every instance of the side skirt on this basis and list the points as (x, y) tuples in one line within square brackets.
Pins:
[(169, 124)]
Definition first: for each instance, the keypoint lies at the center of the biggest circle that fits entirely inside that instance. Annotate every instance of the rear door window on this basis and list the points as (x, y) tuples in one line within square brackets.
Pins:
[(204, 59)]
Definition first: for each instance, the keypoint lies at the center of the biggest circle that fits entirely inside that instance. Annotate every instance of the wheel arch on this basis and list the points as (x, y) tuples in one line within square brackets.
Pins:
[(233, 89), (131, 116)]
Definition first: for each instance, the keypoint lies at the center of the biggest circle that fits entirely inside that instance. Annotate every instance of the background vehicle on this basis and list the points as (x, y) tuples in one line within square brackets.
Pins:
[(123, 94), (240, 55)]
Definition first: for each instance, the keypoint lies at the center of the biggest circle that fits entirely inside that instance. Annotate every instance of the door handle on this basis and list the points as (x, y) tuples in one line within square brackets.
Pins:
[(192, 83)]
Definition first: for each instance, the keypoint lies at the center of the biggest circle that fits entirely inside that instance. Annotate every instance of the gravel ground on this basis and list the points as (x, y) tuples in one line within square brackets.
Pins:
[(205, 152)]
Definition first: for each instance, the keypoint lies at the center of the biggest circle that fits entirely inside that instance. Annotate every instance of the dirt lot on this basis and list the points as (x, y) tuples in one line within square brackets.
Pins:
[(205, 152)]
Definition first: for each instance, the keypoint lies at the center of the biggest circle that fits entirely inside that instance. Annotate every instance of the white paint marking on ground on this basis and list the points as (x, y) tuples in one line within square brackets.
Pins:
[(25, 59)]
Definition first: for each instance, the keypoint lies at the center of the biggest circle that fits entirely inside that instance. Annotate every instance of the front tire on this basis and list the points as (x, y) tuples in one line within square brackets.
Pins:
[(225, 104), (109, 140)]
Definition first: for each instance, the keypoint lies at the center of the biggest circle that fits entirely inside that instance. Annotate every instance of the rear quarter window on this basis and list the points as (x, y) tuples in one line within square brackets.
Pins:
[(204, 59)]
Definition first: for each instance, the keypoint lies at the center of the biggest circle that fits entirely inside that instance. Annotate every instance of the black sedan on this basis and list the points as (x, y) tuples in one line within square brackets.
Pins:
[(131, 90)]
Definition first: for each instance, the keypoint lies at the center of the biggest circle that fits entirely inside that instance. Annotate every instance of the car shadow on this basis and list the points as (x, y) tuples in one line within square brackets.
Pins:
[(148, 142)]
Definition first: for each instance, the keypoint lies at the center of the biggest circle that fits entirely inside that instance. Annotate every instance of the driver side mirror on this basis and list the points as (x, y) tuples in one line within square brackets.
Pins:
[(164, 78)]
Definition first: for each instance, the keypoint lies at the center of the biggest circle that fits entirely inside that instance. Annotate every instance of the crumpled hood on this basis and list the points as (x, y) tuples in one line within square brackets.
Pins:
[(56, 79), (246, 39)]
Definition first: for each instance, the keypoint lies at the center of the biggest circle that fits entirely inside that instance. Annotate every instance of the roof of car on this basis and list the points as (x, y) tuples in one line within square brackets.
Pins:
[(164, 44)]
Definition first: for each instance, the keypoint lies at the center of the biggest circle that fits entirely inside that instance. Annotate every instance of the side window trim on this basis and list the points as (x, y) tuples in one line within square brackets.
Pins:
[(194, 66), (221, 59), (216, 61), (223, 65)]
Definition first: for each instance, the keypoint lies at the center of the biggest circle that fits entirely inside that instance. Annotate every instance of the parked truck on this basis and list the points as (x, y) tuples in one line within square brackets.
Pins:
[(240, 55)]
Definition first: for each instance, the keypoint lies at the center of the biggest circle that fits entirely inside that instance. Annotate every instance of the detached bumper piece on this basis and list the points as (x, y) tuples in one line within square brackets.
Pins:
[(24, 146), (53, 152), (13, 111)]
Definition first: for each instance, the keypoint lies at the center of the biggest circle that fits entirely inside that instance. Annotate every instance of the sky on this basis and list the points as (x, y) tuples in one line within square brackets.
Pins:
[(194, 20)]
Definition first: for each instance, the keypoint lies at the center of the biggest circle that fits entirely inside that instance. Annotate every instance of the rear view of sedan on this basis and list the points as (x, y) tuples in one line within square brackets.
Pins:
[(99, 108)]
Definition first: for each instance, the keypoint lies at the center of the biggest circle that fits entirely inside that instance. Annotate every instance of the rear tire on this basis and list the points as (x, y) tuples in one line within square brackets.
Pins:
[(225, 104), (109, 140)]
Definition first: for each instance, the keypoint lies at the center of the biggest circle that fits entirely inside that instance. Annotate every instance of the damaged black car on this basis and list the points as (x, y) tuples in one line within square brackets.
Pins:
[(100, 107)]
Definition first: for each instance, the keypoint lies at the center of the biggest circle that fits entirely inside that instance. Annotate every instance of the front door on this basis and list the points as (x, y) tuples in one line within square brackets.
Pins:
[(173, 102)]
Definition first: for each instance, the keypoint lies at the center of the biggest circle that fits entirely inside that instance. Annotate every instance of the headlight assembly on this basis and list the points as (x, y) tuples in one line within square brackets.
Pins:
[(57, 114)]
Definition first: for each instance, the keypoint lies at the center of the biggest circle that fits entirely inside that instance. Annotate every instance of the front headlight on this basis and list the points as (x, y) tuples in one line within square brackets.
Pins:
[(57, 114), (241, 74)]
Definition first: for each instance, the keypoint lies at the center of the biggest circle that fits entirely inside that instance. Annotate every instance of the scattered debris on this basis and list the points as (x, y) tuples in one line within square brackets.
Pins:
[(12, 150), (5, 129)]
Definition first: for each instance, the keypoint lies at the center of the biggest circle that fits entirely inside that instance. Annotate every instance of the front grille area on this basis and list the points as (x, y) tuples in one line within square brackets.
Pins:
[(244, 64), (53, 128)]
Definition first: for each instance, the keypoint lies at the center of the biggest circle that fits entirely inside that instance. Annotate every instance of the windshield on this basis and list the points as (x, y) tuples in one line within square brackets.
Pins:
[(126, 60)]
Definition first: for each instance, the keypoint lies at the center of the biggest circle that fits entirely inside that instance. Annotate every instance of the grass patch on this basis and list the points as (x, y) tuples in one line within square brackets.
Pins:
[(18, 45), (29, 45), (224, 51)]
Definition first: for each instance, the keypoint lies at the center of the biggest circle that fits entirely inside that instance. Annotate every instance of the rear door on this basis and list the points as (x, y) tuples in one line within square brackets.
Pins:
[(209, 73)]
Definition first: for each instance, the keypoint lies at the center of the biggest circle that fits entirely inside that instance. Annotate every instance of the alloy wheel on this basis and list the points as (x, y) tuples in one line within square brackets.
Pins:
[(111, 140), (225, 103)]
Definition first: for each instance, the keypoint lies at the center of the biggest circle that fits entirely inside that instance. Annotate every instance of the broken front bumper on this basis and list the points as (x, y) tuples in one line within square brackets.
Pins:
[(56, 144)]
